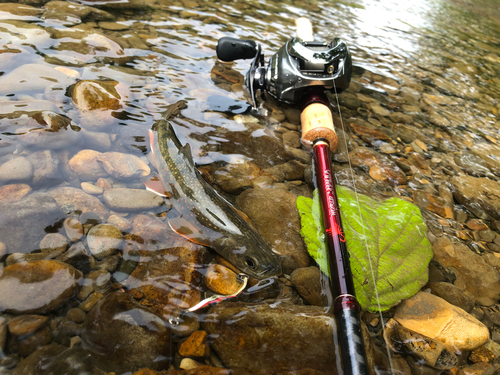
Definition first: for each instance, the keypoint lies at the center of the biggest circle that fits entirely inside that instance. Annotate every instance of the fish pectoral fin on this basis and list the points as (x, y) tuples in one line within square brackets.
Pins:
[(187, 230), (186, 151), (154, 184), (244, 216)]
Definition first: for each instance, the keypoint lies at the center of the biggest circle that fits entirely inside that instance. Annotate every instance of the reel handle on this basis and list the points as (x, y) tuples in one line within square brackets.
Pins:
[(230, 49)]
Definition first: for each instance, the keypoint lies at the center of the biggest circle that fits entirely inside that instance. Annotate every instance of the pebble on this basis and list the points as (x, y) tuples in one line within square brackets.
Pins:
[(103, 240), (38, 339), (120, 222), (100, 279), (16, 170), (86, 166), (221, 280), (14, 192), (53, 244), (76, 315), (24, 325), (37, 287), (131, 200), (45, 168), (437, 319), (91, 189), (90, 302), (476, 224), (195, 345), (379, 110), (123, 166), (103, 183), (73, 229)]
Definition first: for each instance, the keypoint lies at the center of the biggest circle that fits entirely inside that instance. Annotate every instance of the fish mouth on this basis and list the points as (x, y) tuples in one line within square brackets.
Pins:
[(270, 271)]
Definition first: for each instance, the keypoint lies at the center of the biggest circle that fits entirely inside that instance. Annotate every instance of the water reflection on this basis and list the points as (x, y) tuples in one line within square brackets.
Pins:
[(80, 87)]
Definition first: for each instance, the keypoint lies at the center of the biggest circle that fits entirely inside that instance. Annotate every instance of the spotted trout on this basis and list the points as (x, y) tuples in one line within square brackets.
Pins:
[(198, 212)]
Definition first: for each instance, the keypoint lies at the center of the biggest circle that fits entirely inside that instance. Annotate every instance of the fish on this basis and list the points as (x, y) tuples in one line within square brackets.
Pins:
[(199, 213)]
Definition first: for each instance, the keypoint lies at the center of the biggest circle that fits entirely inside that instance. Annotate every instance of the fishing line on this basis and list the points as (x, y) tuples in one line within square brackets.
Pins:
[(363, 226)]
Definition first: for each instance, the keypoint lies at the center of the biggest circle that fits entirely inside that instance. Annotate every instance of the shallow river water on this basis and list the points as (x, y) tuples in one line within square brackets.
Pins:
[(92, 275)]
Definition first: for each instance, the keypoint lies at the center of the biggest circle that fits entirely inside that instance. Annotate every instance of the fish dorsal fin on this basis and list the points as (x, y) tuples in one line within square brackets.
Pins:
[(186, 151), (186, 229), (154, 184)]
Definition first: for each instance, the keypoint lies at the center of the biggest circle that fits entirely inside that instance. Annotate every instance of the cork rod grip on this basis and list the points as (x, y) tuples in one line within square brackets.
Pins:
[(317, 122)]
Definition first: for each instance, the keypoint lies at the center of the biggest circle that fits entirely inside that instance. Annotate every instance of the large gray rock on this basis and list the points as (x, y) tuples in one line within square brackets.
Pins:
[(23, 224), (480, 195), (72, 199), (265, 339), (123, 335)]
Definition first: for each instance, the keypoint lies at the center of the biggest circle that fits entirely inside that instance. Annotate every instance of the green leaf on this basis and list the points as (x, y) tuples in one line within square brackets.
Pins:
[(391, 233)]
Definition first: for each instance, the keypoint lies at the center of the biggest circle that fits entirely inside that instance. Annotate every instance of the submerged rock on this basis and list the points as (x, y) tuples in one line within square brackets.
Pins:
[(473, 274), (480, 195), (75, 200), (16, 170), (86, 166), (104, 240), (45, 168), (276, 339), (123, 335), (37, 287), (123, 166), (264, 206), (131, 200), (23, 224)]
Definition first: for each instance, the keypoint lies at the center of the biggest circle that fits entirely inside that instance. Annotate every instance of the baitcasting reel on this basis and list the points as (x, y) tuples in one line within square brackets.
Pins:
[(296, 66)]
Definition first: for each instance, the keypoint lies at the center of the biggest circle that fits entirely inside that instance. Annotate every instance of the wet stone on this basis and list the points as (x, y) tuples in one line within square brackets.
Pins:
[(278, 345), (53, 244), (100, 280), (91, 300), (480, 195), (13, 193), (16, 170), (97, 140), (26, 324), (277, 206), (109, 263), (76, 315), (73, 229), (75, 200), (435, 318), (473, 274), (23, 223), (123, 335), (123, 166), (476, 224), (77, 257), (91, 189), (481, 354), (3, 332), (45, 168), (103, 240), (379, 166), (120, 222), (221, 280), (38, 339), (310, 283), (37, 287), (195, 345), (86, 166), (131, 200), (453, 295)]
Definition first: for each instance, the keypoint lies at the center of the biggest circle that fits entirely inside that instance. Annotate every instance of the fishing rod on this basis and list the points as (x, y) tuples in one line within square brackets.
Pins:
[(298, 74)]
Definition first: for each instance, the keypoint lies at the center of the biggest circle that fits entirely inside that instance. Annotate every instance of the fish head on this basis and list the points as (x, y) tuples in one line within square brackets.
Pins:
[(254, 258)]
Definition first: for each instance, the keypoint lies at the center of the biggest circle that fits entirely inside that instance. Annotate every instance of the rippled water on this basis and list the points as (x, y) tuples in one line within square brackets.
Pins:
[(423, 98)]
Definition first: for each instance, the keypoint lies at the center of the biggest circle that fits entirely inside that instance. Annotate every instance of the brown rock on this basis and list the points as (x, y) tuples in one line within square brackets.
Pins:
[(23, 325), (221, 280), (14, 192), (476, 369), (272, 338), (264, 206), (195, 345), (38, 339), (53, 244), (453, 295), (473, 274), (37, 287), (378, 165), (480, 195), (311, 284), (368, 131), (476, 224), (481, 354), (435, 318)]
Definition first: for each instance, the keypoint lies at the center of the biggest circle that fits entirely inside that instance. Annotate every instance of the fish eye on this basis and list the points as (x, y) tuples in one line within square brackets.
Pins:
[(251, 263)]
